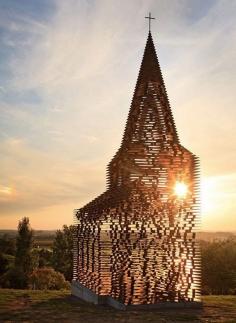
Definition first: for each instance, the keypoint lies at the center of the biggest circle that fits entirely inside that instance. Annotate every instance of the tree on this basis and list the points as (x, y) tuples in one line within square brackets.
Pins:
[(62, 257), (45, 257), (24, 246)]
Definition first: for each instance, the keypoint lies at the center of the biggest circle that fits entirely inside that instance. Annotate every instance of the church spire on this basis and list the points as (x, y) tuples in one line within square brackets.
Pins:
[(150, 68), (150, 105)]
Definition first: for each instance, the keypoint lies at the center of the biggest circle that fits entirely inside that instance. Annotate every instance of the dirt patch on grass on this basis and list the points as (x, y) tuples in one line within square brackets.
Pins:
[(21, 302)]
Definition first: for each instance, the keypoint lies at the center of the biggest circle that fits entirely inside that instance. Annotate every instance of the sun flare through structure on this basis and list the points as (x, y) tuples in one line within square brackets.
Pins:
[(181, 189)]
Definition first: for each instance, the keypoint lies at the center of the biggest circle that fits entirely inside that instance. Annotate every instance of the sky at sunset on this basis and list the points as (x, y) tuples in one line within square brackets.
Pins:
[(67, 75)]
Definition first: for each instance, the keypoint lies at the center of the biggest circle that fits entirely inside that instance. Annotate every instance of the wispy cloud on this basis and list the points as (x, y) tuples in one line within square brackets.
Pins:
[(38, 180)]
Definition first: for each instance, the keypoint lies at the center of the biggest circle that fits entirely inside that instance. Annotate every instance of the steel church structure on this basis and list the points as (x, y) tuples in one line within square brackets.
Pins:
[(135, 244)]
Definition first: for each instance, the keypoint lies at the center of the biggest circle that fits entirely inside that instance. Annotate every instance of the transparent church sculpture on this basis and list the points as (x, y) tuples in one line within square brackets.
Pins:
[(136, 242)]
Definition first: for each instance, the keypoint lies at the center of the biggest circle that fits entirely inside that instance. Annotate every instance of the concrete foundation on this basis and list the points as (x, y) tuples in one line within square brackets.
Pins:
[(87, 295)]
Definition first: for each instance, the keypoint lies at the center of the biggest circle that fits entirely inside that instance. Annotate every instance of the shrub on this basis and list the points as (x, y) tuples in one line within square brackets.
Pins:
[(14, 278), (7, 245), (219, 267), (4, 264), (47, 278)]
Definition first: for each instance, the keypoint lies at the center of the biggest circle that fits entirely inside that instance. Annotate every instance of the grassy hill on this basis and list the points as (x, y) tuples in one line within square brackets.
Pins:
[(59, 306)]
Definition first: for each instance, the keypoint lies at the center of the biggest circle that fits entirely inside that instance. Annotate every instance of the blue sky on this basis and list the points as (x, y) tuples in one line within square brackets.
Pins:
[(67, 74)]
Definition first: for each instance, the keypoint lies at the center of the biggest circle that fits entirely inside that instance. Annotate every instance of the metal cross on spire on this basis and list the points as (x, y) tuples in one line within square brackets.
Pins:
[(150, 17)]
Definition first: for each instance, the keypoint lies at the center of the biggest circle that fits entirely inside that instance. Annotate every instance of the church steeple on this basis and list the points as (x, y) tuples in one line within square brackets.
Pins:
[(150, 109)]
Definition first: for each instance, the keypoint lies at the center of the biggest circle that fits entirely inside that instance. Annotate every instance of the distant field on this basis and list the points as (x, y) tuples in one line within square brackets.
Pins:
[(48, 235), (37, 233), (59, 306), (42, 238)]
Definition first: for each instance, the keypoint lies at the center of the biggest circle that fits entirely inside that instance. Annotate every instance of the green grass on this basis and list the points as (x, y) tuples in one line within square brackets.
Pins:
[(59, 306)]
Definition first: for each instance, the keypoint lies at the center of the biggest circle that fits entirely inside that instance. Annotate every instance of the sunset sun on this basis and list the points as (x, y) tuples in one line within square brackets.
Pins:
[(180, 189)]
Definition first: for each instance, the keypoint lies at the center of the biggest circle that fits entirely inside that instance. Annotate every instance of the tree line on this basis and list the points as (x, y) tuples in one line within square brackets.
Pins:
[(219, 267), (24, 265)]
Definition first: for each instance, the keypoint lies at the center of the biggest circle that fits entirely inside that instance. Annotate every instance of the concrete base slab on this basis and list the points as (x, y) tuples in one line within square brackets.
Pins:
[(87, 295)]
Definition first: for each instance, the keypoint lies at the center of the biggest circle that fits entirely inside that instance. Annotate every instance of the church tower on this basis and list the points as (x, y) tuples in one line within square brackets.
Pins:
[(135, 244)]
